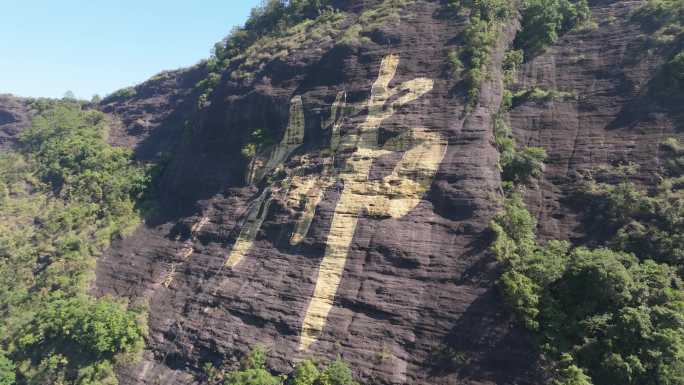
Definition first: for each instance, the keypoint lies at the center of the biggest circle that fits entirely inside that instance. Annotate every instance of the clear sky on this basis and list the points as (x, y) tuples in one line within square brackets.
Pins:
[(48, 47)]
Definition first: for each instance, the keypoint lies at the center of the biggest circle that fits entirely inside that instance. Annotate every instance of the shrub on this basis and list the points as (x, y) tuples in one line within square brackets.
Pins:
[(78, 337), (119, 95), (479, 37), (543, 21), (72, 156), (513, 60), (270, 18), (674, 157), (71, 193), (570, 374), (253, 372), (337, 373), (540, 95), (655, 14), (524, 165), (305, 373), (7, 376), (627, 218), (455, 63), (94, 328)]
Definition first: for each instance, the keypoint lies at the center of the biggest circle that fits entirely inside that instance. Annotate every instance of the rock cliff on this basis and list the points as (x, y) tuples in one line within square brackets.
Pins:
[(356, 225)]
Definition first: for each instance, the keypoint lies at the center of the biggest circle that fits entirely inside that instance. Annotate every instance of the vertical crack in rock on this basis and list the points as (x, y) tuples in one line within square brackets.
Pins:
[(292, 139)]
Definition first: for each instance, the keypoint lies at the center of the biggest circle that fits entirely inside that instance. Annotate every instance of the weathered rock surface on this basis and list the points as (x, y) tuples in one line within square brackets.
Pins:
[(155, 118), (613, 120), (14, 117), (415, 277)]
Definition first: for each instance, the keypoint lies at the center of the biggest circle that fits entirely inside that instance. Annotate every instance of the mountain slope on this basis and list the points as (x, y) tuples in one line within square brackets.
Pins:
[(332, 193)]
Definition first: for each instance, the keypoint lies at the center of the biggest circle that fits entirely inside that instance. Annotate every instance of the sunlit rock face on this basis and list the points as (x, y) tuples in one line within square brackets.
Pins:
[(358, 228), (14, 118)]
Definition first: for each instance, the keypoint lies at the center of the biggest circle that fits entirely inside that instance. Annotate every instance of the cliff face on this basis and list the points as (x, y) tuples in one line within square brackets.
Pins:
[(614, 119), (14, 117), (358, 228)]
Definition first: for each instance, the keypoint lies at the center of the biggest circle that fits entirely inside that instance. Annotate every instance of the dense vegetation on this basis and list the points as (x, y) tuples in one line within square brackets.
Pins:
[(613, 313), (656, 14), (544, 21), (253, 371), (485, 19), (64, 195)]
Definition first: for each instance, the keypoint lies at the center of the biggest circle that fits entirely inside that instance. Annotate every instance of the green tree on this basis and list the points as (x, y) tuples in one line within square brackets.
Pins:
[(337, 373), (7, 376), (253, 371), (305, 373), (543, 21)]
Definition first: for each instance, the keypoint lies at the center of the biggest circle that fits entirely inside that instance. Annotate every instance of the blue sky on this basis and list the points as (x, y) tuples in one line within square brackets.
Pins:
[(48, 47)]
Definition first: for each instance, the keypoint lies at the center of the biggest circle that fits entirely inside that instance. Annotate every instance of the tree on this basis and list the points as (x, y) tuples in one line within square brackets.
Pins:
[(7, 376), (305, 373), (337, 373), (69, 96)]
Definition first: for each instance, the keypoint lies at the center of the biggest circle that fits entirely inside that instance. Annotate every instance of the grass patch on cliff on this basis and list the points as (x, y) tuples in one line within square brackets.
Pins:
[(519, 166), (541, 95), (64, 195)]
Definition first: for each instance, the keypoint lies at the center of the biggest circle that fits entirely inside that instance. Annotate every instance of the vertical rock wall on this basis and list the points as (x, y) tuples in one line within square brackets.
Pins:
[(360, 228)]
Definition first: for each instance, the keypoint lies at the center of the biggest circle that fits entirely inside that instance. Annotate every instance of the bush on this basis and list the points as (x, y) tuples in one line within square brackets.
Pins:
[(518, 167), (675, 71), (7, 376), (305, 373), (674, 157), (270, 18), (120, 95), (83, 335), (337, 373), (570, 374), (655, 14), (524, 165), (479, 38), (513, 60), (543, 21), (253, 371), (540, 95), (71, 155), (628, 219), (97, 329)]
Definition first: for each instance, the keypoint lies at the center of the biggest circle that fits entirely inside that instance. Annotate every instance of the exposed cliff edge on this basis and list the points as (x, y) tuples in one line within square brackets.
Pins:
[(14, 117)]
